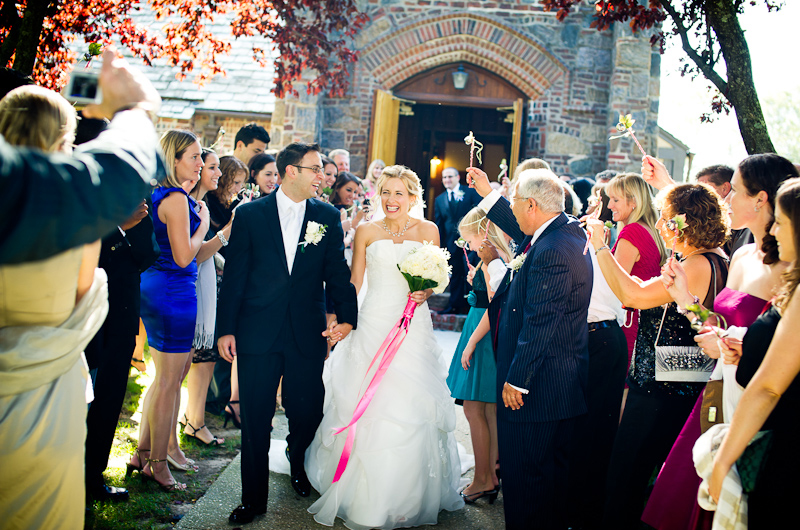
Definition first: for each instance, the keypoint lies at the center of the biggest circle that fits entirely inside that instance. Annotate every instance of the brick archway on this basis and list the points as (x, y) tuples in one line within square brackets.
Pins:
[(463, 37)]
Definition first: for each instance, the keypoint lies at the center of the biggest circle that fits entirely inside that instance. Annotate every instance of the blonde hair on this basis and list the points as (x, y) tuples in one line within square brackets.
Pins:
[(371, 169), (33, 116), (174, 143), (634, 188), (408, 177), (476, 221), (529, 163)]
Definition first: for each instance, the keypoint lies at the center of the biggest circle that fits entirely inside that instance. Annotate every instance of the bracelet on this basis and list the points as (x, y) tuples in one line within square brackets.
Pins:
[(222, 238), (682, 311), (604, 247)]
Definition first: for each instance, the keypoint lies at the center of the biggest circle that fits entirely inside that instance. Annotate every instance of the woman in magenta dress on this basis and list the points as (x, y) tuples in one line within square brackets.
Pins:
[(754, 277)]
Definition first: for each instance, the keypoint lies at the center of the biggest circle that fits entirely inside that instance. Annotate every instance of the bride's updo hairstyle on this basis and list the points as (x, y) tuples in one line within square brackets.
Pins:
[(409, 178), (475, 222)]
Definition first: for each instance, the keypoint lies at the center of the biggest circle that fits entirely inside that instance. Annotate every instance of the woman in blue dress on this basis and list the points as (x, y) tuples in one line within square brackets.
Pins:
[(169, 304), (472, 376)]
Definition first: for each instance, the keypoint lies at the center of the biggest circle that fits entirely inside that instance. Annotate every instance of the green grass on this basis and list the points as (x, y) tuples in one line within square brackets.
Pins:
[(149, 507)]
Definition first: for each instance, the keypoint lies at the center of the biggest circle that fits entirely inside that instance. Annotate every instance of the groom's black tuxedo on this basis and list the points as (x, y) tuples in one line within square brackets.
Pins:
[(277, 319), (257, 293)]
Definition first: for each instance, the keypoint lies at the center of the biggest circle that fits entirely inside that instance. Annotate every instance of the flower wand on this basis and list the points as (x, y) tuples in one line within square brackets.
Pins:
[(625, 126), (95, 49), (473, 144), (594, 215)]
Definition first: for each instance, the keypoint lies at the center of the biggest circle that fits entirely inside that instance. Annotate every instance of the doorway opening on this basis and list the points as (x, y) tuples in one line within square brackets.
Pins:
[(436, 132)]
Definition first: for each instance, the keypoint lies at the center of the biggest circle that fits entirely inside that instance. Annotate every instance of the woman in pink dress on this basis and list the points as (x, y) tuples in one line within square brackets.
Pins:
[(638, 249), (753, 279)]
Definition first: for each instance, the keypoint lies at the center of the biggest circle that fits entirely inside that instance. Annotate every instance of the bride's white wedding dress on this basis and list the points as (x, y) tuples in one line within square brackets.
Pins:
[(404, 467)]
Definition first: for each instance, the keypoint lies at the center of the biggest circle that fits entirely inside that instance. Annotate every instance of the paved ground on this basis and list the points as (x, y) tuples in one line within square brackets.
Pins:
[(287, 511)]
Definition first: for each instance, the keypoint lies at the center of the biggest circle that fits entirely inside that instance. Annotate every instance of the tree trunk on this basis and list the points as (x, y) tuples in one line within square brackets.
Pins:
[(30, 32), (741, 91)]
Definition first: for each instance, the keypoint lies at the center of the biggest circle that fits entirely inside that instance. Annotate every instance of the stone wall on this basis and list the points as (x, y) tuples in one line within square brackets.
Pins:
[(577, 79), (207, 128)]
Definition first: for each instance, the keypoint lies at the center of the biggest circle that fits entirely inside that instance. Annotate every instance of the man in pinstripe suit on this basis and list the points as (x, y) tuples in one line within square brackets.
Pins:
[(542, 353)]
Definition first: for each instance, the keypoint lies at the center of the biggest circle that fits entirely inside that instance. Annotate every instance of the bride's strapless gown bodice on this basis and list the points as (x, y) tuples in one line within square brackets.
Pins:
[(404, 466)]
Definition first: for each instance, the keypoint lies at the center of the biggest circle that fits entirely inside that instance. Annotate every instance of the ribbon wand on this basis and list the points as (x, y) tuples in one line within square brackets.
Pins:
[(503, 170), (475, 148), (625, 126), (594, 215)]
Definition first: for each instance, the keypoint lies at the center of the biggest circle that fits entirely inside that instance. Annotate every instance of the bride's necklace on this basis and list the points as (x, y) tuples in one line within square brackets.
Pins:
[(400, 234)]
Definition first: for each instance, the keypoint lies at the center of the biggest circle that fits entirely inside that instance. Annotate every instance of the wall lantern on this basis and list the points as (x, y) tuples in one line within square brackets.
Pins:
[(460, 77)]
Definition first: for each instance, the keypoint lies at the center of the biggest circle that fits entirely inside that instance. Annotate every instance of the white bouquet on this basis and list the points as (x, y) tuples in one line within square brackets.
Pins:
[(426, 267)]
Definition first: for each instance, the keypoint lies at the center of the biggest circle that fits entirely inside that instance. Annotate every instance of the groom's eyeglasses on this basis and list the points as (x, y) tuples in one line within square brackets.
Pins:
[(316, 169)]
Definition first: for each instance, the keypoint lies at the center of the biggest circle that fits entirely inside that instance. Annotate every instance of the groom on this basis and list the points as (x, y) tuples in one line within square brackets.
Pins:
[(271, 314)]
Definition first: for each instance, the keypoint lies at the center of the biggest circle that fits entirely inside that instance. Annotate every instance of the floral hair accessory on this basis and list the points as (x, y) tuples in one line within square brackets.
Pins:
[(314, 234), (625, 126), (677, 225)]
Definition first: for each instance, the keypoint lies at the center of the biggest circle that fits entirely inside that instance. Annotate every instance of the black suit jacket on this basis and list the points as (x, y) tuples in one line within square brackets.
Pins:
[(501, 215), (123, 258), (258, 295), (543, 337), (449, 213), (53, 202)]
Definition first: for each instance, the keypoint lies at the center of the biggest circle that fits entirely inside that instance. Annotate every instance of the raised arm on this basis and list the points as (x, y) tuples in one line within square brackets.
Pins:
[(780, 367), (174, 213), (496, 206), (650, 293), (53, 202)]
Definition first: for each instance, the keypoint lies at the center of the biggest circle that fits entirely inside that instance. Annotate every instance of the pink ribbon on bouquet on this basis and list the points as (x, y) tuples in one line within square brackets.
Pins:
[(390, 346)]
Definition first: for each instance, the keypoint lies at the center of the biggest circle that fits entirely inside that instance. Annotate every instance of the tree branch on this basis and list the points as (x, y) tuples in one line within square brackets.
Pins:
[(10, 18), (704, 67)]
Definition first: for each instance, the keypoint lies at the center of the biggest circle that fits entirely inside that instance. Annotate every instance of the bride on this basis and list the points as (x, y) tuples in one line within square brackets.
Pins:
[(404, 466)]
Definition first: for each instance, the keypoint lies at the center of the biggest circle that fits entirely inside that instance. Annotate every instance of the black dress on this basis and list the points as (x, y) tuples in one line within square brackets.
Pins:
[(773, 503)]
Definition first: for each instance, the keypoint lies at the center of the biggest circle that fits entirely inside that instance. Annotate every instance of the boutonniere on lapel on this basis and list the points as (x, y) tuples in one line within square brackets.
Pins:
[(515, 265), (314, 234), (459, 195)]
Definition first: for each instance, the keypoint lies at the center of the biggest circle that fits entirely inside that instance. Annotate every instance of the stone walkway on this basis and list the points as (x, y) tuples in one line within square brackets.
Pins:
[(287, 511)]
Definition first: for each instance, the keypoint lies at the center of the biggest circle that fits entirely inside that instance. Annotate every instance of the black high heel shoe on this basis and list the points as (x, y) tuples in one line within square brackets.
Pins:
[(142, 461), (231, 415), (193, 436), (491, 496)]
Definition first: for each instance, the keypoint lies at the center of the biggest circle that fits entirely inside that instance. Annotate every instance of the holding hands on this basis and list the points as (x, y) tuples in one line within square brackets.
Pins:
[(337, 332)]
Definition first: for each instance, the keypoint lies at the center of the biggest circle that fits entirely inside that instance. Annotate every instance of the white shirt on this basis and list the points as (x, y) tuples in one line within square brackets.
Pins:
[(604, 304), (291, 215), (453, 194)]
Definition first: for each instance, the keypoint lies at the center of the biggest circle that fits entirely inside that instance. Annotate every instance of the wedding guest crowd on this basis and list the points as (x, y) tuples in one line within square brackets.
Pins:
[(652, 338)]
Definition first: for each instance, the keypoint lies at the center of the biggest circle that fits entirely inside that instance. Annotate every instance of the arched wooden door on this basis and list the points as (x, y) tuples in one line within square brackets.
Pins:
[(426, 117)]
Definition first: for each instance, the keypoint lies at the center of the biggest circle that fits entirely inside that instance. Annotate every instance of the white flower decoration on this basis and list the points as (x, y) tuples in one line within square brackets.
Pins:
[(459, 195), (314, 234), (516, 264)]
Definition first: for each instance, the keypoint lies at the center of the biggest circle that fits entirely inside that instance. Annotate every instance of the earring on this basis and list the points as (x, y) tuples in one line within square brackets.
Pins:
[(756, 208)]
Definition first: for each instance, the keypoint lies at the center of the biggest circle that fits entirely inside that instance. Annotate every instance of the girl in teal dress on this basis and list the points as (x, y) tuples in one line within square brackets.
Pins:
[(472, 377)]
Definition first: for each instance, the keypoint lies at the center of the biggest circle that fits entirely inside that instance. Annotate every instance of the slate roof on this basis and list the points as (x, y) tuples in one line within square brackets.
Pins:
[(245, 88)]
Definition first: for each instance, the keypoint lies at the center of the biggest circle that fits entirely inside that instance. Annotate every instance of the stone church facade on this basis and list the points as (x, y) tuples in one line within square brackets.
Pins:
[(572, 82)]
